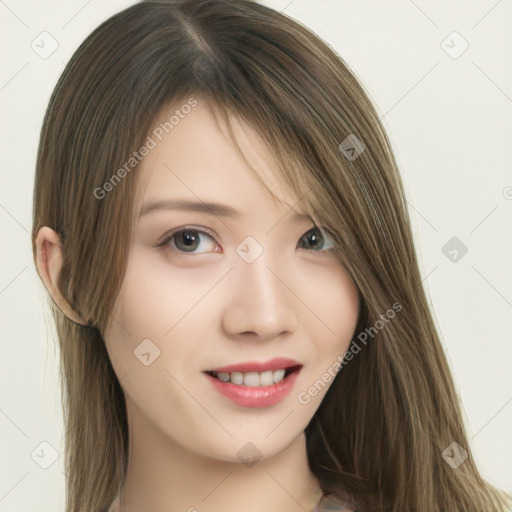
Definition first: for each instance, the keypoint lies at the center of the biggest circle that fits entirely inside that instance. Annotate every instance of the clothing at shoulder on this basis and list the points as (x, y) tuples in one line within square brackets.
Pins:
[(330, 503)]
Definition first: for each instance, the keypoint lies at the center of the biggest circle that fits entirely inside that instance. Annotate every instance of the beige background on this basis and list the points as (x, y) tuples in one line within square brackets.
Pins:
[(449, 120)]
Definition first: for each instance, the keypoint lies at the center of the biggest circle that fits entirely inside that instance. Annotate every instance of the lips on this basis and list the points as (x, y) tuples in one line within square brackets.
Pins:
[(253, 386)]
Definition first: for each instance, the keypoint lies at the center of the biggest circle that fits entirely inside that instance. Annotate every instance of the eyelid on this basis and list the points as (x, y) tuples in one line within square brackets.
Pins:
[(165, 238)]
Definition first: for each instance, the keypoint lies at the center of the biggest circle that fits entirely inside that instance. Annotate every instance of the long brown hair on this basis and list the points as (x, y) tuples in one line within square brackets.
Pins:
[(379, 435)]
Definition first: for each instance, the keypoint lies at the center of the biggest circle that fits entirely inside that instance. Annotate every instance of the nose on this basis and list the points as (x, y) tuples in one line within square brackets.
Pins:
[(260, 301)]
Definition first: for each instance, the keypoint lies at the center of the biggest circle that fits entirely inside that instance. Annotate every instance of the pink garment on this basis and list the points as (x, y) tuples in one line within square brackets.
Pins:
[(329, 503)]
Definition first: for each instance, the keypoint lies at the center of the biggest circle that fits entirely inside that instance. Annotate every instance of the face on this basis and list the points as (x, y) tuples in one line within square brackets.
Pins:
[(251, 283)]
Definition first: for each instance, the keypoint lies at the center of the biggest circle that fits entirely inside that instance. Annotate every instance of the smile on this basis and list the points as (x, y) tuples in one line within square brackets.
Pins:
[(253, 388)]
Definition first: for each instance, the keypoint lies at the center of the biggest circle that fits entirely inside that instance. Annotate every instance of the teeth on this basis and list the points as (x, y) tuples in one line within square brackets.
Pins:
[(237, 378), (252, 379), (279, 375), (266, 378)]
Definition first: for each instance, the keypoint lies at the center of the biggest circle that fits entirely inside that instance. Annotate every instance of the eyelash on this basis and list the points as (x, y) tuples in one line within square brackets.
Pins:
[(167, 238)]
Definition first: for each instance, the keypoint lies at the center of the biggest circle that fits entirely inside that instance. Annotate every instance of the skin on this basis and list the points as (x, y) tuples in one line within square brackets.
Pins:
[(212, 310)]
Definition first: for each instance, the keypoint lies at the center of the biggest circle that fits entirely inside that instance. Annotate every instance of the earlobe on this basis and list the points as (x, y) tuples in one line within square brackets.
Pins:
[(49, 263)]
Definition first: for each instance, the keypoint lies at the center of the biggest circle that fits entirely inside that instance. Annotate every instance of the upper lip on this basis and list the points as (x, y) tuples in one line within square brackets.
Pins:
[(258, 366)]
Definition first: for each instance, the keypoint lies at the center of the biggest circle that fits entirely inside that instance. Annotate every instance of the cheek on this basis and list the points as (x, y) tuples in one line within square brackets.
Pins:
[(160, 311), (155, 296), (149, 343), (337, 305), (334, 304)]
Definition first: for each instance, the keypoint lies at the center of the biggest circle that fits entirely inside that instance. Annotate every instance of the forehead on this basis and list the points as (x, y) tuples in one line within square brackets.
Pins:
[(193, 157)]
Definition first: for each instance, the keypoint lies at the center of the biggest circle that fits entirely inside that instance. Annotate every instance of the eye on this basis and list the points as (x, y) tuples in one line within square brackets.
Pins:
[(316, 238), (188, 240)]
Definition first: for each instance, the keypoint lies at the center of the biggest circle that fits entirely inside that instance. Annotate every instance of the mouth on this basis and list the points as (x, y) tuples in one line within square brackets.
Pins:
[(256, 385), (256, 373)]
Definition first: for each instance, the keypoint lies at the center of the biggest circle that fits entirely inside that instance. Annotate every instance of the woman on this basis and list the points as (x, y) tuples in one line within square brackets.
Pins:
[(220, 221)]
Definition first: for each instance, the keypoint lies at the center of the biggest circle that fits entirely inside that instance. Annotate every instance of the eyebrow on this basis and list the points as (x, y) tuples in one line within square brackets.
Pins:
[(217, 209)]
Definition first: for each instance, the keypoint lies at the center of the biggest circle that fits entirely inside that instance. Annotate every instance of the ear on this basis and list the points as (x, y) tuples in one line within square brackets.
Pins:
[(49, 263)]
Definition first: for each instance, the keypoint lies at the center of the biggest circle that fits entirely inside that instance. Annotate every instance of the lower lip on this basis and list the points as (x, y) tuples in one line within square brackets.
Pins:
[(261, 396)]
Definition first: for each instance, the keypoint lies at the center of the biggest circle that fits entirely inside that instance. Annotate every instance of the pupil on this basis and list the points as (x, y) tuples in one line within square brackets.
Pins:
[(189, 239), (315, 237)]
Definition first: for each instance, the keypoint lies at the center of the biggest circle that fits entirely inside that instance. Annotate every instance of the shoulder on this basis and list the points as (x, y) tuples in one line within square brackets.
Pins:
[(331, 503)]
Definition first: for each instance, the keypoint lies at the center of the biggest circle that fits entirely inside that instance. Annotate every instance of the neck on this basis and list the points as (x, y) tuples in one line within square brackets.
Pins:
[(163, 475)]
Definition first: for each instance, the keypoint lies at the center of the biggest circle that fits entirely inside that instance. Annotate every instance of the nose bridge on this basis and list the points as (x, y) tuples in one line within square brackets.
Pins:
[(261, 279), (260, 300), (255, 259)]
